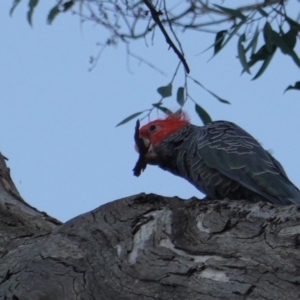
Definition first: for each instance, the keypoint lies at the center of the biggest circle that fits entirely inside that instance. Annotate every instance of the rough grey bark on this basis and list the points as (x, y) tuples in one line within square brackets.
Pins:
[(149, 247)]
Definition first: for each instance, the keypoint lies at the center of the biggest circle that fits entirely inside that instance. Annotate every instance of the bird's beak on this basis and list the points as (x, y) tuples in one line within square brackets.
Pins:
[(150, 155), (146, 143)]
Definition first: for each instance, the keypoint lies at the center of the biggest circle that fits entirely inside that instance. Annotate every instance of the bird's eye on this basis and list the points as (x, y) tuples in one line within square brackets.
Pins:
[(152, 128)]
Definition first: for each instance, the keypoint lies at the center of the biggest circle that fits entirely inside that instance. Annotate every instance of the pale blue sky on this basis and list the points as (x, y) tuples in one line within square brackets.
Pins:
[(58, 120)]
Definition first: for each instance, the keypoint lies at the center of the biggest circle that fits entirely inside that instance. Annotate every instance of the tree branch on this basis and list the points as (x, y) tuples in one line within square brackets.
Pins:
[(153, 247), (155, 16)]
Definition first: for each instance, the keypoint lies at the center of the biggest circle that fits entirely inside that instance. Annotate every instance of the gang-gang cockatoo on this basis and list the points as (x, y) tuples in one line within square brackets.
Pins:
[(220, 159)]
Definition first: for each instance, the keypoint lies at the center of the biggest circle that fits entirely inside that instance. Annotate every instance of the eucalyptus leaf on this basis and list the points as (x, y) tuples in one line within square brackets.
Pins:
[(204, 116), (290, 38), (233, 32), (32, 5), (232, 12), (180, 96), (16, 2), (129, 118), (210, 92), (253, 43), (262, 54), (279, 41), (242, 53), (162, 108), (293, 23), (52, 14), (68, 5), (267, 33), (263, 66), (214, 44), (296, 86), (219, 40), (165, 91)]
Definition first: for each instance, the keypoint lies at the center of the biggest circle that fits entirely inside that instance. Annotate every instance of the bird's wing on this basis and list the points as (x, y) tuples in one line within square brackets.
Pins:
[(234, 153)]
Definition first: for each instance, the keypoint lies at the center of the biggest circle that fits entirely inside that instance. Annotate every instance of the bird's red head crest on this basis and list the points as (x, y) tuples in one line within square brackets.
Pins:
[(153, 134), (156, 131)]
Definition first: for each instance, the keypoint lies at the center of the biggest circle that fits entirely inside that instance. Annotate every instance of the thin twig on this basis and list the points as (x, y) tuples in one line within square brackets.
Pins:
[(162, 98), (171, 27), (141, 59), (155, 16), (94, 60), (175, 73)]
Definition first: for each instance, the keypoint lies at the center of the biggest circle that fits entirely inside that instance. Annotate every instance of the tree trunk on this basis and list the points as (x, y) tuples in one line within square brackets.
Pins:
[(149, 247)]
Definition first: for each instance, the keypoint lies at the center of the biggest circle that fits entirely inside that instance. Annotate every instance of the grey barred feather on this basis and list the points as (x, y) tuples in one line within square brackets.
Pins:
[(223, 161)]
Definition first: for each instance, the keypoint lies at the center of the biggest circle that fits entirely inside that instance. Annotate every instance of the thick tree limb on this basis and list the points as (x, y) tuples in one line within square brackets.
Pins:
[(151, 247)]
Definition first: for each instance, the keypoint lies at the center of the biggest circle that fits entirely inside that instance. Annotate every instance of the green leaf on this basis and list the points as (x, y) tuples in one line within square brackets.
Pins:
[(261, 54), (293, 23), (211, 46), (204, 116), (279, 41), (16, 2), (68, 5), (165, 110), (217, 97), (232, 12), (219, 40), (210, 92), (296, 86), (52, 14), (290, 38), (263, 66), (267, 32), (165, 91), (180, 96), (233, 32), (162, 108), (32, 5), (129, 118), (253, 43), (242, 53), (231, 35)]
